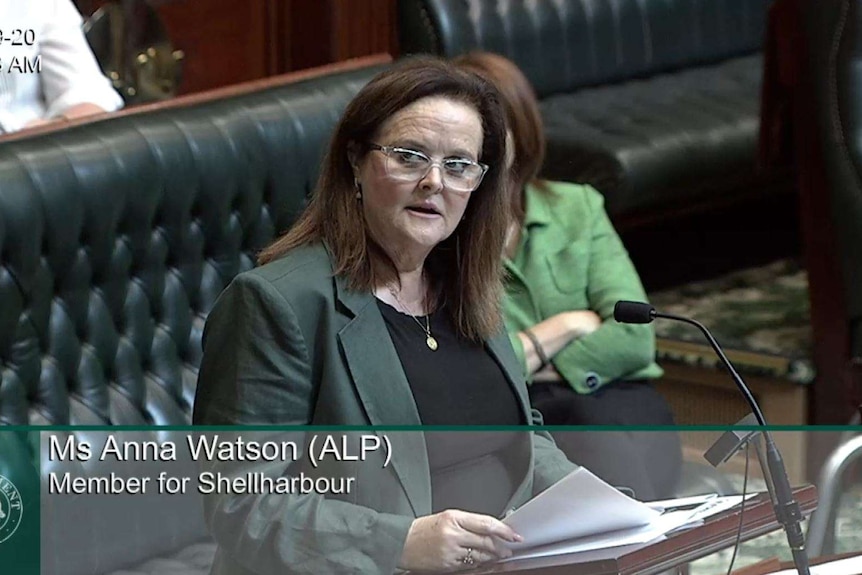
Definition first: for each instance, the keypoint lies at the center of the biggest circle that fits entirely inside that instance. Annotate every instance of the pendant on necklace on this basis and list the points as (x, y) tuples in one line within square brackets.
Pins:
[(431, 342)]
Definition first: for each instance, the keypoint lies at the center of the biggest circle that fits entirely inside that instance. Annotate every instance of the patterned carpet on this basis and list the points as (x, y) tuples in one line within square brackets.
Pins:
[(762, 311)]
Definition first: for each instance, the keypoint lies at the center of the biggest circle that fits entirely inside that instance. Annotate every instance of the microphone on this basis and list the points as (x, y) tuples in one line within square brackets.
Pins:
[(634, 312), (786, 507)]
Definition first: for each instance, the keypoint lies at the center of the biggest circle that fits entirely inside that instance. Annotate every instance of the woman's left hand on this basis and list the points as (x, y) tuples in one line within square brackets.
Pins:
[(455, 539)]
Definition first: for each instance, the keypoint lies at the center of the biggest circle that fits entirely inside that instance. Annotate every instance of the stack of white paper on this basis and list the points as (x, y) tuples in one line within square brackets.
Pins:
[(578, 505), (582, 513)]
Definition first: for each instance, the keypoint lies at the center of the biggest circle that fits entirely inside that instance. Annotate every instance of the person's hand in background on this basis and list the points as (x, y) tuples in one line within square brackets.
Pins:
[(70, 84), (554, 334), (582, 322), (69, 114)]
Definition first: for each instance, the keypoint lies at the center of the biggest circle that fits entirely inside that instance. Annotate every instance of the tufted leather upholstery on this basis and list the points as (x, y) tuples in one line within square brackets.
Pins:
[(654, 102), (116, 237), (835, 30), (673, 138), (563, 45)]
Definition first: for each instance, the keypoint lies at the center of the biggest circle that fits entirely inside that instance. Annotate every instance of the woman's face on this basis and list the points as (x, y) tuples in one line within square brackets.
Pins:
[(408, 218)]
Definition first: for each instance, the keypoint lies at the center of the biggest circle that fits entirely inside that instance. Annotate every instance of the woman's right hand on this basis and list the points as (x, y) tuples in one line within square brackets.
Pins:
[(442, 541)]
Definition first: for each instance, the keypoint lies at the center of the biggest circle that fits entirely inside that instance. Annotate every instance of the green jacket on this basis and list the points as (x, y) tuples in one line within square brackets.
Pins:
[(570, 258), (289, 344)]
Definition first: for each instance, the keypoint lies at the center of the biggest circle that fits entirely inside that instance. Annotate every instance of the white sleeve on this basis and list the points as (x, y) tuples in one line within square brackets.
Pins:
[(70, 73)]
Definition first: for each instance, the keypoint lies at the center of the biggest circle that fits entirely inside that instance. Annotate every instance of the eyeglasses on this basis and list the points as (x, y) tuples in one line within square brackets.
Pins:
[(406, 165)]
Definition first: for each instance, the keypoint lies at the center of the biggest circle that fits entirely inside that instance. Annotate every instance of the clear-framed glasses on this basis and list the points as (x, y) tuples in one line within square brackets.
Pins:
[(406, 165)]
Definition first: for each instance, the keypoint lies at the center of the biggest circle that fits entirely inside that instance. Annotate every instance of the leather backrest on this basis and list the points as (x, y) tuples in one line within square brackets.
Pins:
[(833, 43), (116, 237), (562, 45), (834, 38)]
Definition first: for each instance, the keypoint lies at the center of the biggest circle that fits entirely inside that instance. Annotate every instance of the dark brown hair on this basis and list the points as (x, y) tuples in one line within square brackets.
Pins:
[(465, 269), (522, 118)]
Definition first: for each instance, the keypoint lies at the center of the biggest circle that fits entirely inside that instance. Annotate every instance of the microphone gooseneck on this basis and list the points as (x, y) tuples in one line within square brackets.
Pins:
[(758, 414), (787, 510)]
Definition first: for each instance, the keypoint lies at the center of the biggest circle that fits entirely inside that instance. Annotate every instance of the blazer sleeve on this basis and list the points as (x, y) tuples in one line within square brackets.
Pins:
[(256, 370), (614, 349)]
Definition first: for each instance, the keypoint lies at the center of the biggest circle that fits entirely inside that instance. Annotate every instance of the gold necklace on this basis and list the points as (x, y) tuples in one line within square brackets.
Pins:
[(429, 339)]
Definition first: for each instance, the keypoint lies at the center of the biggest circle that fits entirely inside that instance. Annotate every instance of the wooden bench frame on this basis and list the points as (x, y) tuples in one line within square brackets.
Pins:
[(694, 393)]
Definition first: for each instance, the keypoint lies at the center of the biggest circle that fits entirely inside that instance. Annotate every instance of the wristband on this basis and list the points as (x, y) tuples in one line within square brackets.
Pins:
[(540, 351)]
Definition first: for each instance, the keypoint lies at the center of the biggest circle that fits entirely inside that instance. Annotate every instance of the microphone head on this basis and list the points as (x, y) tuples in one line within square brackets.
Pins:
[(633, 312)]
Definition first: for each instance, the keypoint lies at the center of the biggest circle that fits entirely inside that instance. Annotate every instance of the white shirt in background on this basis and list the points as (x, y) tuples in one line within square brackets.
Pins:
[(68, 73)]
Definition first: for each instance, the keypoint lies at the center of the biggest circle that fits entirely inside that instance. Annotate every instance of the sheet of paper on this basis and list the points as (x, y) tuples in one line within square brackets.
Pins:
[(671, 504), (655, 531), (717, 505), (579, 505)]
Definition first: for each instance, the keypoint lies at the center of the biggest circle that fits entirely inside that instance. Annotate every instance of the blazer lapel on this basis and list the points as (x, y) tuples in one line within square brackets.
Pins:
[(498, 347), (385, 393)]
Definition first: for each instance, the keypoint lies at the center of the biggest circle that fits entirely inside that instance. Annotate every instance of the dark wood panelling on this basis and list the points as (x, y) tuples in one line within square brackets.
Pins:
[(363, 27), (230, 41), (309, 34), (334, 30), (225, 41)]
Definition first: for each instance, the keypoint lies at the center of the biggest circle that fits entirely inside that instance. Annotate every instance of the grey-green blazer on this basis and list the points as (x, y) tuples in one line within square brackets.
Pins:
[(289, 344)]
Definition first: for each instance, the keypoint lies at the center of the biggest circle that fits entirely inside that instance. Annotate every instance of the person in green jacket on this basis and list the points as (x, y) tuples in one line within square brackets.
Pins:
[(566, 270), (381, 307)]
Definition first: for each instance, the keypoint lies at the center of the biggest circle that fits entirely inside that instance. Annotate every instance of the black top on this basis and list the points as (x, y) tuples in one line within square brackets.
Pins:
[(459, 384)]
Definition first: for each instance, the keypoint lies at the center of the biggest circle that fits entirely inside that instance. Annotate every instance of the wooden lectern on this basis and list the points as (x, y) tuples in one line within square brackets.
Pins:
[(717, 532)]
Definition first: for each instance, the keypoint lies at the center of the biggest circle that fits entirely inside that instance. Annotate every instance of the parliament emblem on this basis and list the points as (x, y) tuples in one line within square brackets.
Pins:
[(11, 509)]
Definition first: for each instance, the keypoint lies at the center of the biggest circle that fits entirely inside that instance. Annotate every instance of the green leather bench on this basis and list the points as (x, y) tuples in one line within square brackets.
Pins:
[(116, 237), (654, 102)]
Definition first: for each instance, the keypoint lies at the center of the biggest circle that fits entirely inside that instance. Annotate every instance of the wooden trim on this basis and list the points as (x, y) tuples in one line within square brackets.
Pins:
[(209, 95), (761, 387), (764, 567), (775, 362), (782, 404)]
